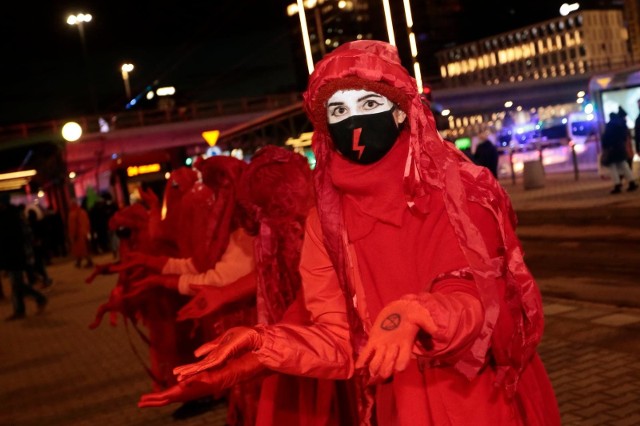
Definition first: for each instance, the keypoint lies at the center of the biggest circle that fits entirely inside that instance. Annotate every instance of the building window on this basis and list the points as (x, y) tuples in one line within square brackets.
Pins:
[(583, 51)]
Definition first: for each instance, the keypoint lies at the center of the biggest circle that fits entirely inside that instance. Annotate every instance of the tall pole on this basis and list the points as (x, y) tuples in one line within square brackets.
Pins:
[(126, 69), (413, 45), (79, 20), (305, 36)]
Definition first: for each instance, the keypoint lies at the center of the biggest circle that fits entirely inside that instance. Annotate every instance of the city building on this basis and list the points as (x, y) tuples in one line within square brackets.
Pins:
[(580, 43), (529, 75)]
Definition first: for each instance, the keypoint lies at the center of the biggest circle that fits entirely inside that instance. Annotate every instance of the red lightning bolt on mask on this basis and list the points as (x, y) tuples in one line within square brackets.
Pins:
[(356, 140)]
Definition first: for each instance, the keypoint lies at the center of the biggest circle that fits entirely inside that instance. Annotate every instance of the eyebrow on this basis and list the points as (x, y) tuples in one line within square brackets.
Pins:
[(371, 95)]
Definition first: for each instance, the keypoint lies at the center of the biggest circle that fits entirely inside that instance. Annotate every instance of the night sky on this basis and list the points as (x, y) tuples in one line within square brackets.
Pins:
[(200, 47), (207, 49)]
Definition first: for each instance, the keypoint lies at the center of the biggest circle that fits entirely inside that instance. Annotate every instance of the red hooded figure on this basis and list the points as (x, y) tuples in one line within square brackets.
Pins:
[(411, 269)]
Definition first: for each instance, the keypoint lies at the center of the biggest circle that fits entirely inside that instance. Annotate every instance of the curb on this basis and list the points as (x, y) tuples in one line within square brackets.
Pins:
[(628, 217)]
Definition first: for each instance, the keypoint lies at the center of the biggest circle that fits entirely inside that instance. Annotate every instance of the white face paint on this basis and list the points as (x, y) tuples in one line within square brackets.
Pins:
[(345, 103)]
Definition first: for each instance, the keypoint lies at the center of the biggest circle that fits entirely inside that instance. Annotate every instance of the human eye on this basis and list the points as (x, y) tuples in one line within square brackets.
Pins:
[(371, 104), (337, 111)]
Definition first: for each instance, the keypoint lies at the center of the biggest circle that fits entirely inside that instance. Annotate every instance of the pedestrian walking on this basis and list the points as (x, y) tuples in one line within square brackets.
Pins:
[(37, 269), (14, 258), (615, 154), (79, 230)]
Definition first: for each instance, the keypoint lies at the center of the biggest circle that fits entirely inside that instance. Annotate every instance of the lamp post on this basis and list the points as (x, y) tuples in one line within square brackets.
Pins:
[(126, 69), (79, 20)]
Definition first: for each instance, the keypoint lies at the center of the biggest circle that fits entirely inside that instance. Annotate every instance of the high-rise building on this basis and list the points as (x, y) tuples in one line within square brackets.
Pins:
[(580, 43)]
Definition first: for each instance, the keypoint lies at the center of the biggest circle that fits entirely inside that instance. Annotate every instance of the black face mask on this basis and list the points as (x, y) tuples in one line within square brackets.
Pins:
[(365, 139)]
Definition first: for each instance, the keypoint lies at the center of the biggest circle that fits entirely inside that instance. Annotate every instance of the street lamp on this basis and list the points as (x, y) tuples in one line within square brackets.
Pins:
[(79, 20), (71, 131), (126, 69)]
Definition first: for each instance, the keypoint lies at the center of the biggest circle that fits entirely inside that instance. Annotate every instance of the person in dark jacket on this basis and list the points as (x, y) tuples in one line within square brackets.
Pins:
[(486, 154), (14, 258), (37, 269), (614, 153)]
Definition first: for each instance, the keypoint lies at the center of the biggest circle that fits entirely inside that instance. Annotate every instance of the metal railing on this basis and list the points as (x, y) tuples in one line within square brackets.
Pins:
[(148, 117)]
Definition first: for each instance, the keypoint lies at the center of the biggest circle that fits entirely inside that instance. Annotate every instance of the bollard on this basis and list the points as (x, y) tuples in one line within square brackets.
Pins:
[(513, 170), (533, 174), (574, 158)]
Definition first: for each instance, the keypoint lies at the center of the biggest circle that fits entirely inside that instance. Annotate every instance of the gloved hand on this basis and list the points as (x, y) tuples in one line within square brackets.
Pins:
[(210, 298), (231, 344), (137, 287), (393, 335), (100, 270), (149, 198), (136, 259), (209, 382), (113, 305)]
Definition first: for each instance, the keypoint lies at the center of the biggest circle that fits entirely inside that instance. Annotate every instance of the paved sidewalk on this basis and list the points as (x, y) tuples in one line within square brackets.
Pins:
[(566, 201), (54, 370)]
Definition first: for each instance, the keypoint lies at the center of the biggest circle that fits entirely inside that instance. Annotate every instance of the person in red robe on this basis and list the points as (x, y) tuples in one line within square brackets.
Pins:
[(411, 269)]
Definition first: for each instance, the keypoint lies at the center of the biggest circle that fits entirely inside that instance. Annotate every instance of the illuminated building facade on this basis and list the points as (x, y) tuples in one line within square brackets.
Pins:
[(331, 23), (632, 18), (580, 43)]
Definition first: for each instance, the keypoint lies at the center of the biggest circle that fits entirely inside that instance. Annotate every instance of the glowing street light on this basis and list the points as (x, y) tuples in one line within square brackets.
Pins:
[(71, 131), (79, 20), (567, 8), (126, 69)]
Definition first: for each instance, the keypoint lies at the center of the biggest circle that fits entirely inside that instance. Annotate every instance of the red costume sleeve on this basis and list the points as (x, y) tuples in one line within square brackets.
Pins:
[(236, 262), (179, 266), (453, 301), (323, 349)]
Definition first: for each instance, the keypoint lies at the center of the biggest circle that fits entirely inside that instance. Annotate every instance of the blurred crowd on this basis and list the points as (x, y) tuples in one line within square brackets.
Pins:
[(34, 235)]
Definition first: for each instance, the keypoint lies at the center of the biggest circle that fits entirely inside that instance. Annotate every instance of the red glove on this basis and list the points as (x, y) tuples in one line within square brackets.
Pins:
[(113, 305), (100, 270), (150, 198), (135, 259), (209, 382), (233, 342), (137, 287), (210, 298), (392, 337)]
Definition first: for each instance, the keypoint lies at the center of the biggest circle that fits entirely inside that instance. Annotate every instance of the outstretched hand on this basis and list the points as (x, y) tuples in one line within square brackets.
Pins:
[(104, 269), (209, 382), (195, 387), (152, 281), (113, 305), (150, 198), (208, 298), (392, 338), (136, 259), (231, 344)]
